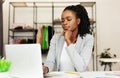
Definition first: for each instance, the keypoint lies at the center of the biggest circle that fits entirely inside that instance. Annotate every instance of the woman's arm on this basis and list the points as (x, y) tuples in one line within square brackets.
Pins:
[(81, 59), (50, 61)]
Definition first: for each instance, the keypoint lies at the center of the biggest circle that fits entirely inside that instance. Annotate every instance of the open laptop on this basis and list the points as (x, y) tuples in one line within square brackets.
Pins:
[(26, 61)]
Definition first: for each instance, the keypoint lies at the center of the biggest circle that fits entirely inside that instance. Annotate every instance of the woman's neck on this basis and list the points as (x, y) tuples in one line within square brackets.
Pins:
[(74, 36)]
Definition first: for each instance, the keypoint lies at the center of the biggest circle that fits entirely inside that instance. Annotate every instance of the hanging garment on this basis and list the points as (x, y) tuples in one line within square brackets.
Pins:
[(39, 35), (50, 33), (44, 38)]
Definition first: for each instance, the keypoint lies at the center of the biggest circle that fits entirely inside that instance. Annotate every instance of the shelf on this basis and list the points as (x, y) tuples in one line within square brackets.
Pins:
[(50, 4), (87, 4), (21, 36), (42, 22), (23, 30), (18, 4)]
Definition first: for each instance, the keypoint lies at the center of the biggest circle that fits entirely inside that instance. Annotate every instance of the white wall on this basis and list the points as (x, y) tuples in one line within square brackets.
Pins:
[(108, 14)]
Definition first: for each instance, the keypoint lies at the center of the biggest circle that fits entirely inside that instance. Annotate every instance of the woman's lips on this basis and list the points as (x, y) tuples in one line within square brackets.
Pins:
[(65, 27)]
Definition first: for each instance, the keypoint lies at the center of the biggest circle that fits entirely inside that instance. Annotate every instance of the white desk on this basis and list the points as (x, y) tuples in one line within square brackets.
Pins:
[(97, 74), (110, 61)]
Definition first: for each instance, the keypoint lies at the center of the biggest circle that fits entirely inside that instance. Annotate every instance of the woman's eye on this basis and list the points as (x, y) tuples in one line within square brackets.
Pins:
[(66, 20), (69, 19), (62, 20)]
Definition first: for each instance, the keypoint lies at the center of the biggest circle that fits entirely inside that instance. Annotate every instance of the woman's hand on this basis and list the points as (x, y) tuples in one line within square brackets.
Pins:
[(45, 69), (68, 36)]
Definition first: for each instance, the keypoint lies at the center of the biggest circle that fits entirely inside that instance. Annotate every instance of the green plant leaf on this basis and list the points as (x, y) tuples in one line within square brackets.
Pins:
[(4, 65)]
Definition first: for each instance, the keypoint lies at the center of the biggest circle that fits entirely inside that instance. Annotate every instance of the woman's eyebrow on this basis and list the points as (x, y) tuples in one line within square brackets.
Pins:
[(66, 17)]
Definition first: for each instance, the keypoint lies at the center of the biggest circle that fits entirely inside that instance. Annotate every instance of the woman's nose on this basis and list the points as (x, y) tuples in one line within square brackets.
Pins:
[(65, 22)]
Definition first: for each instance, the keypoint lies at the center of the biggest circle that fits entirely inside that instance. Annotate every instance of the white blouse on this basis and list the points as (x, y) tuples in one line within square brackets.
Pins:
[(65, 61)]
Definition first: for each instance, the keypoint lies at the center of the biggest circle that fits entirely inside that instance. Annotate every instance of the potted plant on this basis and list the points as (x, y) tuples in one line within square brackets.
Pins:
[(4, 68), (107, 54)]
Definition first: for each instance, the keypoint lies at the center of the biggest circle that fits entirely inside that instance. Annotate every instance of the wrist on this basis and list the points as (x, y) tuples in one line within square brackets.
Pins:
[(68, 42), (45, 69)]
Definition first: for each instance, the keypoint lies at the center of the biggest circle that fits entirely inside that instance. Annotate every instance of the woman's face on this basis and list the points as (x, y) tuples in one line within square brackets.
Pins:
[(69, 20)]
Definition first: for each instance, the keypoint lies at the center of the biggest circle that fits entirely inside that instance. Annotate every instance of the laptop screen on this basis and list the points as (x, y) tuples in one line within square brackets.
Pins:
[(26, 61)]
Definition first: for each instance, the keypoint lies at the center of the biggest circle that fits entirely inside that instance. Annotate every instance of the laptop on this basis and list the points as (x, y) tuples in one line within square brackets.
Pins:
[(26, 61)]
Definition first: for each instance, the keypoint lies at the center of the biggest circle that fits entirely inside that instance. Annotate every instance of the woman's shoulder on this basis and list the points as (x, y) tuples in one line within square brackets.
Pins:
[(88, 36)]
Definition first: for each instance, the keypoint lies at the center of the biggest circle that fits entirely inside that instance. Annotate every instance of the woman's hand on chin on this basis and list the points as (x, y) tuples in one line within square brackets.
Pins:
[(67, 36)]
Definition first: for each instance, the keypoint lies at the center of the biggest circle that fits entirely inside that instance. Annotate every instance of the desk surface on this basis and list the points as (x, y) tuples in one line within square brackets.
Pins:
[(97, 74)]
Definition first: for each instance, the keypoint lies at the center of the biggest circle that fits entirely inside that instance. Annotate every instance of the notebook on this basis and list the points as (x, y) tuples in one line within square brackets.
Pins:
[(26, 61)]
